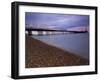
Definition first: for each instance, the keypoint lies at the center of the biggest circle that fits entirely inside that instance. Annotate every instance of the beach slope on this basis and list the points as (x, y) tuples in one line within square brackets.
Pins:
[(39, 54)]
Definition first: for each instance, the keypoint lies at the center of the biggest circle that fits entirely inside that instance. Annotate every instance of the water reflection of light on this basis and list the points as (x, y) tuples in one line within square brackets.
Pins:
[(44, 33), (34, 32), (50, 32), (26, 32)]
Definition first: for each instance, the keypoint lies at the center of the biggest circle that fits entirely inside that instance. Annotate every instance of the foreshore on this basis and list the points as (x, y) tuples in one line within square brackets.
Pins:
[(39, 54)]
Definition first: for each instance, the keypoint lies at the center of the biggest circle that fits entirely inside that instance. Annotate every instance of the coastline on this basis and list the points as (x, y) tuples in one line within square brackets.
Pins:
[(39, 54)]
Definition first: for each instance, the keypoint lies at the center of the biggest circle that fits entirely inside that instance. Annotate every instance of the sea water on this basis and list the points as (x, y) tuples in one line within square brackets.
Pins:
[(77, 43)]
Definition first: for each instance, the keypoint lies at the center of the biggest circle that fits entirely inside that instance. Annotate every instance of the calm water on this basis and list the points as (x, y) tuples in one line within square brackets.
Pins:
[(75, 43)]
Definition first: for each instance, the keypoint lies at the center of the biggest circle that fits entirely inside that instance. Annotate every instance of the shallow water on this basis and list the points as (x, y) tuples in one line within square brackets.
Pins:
[(75, 43)]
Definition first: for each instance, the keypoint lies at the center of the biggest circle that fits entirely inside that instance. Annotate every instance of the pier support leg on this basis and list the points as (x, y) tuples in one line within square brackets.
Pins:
[(29, 33), (40, 32)]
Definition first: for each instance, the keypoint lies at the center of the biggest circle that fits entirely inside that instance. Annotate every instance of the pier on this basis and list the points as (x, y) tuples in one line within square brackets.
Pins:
[(33, 31)]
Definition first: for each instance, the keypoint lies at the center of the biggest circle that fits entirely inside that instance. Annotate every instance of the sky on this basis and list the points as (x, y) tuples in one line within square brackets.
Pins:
[(55, 21)]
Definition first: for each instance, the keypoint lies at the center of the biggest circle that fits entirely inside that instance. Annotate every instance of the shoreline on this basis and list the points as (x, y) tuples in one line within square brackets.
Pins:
[(39, 54)]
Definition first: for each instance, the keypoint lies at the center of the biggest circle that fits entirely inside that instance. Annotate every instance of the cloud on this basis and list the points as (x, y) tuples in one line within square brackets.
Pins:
[(59, 21)]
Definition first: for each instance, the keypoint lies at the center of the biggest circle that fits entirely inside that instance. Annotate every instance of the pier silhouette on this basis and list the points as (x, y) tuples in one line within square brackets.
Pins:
[(52, 31)]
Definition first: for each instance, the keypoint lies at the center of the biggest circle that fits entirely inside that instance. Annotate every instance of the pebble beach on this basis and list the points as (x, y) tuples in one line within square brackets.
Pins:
[(40, 54)]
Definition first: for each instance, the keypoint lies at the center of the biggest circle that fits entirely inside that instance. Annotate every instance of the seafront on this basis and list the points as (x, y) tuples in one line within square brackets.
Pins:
[(39, 54)]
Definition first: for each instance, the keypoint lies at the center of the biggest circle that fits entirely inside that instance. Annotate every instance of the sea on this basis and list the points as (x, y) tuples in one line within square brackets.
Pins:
[(76, 43)]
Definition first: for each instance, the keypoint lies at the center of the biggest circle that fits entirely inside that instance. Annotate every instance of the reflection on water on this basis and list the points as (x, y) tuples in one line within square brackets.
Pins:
[(75, 43)]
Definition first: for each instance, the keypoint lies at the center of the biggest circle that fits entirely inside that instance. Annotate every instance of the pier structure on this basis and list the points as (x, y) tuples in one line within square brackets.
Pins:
[(33, 31)]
